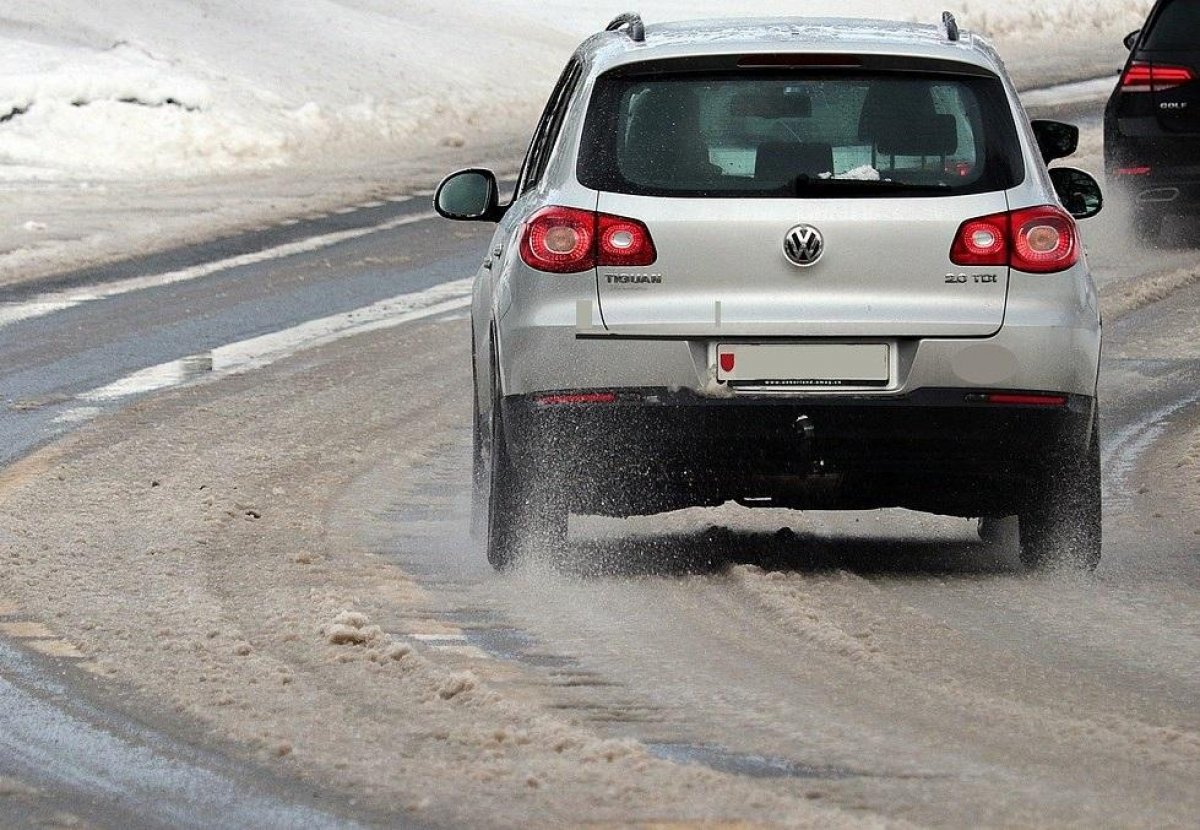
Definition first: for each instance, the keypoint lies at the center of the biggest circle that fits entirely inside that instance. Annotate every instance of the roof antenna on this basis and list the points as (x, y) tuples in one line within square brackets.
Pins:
[(632, 21), (950, 26)]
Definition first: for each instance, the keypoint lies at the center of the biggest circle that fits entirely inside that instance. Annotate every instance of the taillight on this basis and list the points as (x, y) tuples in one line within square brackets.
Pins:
[(982, 241), (1045, 240), (1038, 240), (560, 240), (624, 242), (1142, 76), (564, 240)]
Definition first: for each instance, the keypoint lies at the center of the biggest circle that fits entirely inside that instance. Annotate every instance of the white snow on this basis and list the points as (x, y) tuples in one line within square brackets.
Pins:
[(179, 87), (866, 173)]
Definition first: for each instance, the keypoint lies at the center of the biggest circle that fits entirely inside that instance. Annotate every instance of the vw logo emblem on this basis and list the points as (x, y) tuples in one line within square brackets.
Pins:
[(803, 245)]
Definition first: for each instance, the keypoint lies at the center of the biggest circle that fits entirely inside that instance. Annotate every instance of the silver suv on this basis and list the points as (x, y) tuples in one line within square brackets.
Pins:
[(788, 263)]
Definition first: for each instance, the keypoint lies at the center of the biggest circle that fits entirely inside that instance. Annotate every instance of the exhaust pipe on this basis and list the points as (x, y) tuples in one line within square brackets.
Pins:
[(1158, 195), (804, 427)]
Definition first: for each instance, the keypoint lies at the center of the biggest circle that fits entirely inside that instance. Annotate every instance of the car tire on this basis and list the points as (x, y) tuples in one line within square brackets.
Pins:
[(1147, 226), (527, 512), (480, 478), (481, 449), (503, 502), (1061, 527)]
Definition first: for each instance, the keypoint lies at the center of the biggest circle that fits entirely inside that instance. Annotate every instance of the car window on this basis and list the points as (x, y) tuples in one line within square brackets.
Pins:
[(1177, 26), (752, 135), (549, 127)]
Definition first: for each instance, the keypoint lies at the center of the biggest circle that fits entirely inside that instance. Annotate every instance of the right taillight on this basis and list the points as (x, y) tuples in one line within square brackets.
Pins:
[(1037, 240), (564, 240), (1143, 76), (1045, 240)]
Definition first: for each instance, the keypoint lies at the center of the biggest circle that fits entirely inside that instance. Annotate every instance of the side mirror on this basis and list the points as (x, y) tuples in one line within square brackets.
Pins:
[(1079, 192), (1131, 39), (1055, 139), (469, 196)]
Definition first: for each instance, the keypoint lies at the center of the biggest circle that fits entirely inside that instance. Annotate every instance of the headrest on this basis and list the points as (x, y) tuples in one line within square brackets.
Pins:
[(780, 162), (933, 135), (774, 103), (892, 102)]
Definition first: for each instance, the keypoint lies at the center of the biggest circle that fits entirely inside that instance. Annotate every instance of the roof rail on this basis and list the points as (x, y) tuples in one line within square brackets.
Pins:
[(632, 21), (950, 27)]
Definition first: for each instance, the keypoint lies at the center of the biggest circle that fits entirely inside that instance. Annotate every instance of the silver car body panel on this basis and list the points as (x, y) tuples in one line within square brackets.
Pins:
[(884, 271)]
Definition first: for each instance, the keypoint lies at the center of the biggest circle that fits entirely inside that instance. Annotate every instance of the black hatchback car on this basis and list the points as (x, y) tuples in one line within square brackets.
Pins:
[(1152, 121)]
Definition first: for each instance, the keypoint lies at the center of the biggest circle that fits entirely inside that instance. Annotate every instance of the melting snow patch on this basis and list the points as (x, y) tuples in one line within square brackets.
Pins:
[(351, 628), (456, 684)]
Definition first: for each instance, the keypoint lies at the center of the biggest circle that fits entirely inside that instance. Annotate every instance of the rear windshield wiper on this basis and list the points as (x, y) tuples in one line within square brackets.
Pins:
[(808, 184)]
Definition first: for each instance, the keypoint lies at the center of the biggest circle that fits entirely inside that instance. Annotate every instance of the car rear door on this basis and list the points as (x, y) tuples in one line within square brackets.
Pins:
[(875, 170), (884, 270)]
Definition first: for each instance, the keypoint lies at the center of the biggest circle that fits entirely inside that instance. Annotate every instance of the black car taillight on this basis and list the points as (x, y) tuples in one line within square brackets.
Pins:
[(1144, 76)]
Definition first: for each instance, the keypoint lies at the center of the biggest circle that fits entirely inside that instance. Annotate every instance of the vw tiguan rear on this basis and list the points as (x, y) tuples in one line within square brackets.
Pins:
[(787, 263)]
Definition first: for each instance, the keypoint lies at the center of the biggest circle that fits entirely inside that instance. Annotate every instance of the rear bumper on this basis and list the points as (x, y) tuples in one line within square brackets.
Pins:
[(937, 450), (1049, 340), (1043, 352), (1157, 169), (1164, 191)]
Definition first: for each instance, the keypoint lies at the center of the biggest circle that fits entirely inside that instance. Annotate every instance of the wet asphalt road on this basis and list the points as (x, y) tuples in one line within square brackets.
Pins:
[(887, 661), (47, 361), (84, 759)]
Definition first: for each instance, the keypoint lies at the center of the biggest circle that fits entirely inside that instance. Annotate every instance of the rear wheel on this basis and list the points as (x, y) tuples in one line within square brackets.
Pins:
[(527, 510), (503, 503), (480, 483), (1061, 525)]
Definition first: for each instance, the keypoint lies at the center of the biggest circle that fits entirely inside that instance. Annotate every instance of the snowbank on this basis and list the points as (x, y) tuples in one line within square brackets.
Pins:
[(182, 88)]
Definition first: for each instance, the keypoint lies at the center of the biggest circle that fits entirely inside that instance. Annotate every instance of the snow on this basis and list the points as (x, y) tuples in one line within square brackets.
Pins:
[(230, 114), (866, 173), (350, 628), (186, 88)]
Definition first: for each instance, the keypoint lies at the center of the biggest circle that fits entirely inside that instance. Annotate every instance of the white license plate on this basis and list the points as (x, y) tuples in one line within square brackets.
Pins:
[(804, 364)]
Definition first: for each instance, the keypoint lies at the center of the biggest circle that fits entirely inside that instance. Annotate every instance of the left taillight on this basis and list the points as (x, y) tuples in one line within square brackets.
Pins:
[(562, 240), (1037, 240)]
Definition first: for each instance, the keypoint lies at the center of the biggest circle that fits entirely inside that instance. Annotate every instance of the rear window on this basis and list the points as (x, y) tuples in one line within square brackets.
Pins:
[(1177, 26), (792, 135)]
